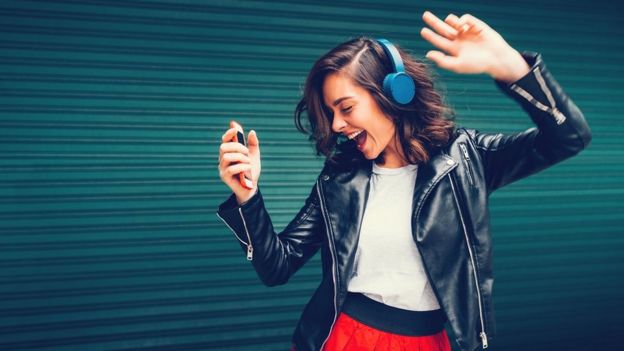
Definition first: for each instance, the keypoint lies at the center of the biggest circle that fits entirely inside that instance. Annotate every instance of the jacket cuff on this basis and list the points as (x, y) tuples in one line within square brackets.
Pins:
[(532, 91), (533, 59), (231, 213)]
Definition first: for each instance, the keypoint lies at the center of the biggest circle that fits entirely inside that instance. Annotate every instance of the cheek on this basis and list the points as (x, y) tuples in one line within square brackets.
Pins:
[(384, 130), (379, 128)]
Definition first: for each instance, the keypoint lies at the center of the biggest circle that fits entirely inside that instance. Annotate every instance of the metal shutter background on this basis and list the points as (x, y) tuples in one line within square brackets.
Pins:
[(110, 119)]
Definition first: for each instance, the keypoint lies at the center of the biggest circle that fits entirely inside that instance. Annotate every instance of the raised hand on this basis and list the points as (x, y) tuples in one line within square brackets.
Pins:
[(235, 158), (468, 45)]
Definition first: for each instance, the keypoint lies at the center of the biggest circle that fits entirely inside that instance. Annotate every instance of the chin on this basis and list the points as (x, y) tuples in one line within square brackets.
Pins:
[(375, 157), (379, 157)]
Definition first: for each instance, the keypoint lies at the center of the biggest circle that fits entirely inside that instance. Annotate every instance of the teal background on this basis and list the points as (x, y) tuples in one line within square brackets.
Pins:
[(111, 114)]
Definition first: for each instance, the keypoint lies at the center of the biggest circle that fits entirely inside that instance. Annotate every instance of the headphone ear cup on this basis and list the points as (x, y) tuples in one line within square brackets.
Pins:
[(387, 85), (399, 87)]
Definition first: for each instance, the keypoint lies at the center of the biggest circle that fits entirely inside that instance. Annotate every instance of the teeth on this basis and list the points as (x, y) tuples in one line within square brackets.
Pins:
[(354, 134)]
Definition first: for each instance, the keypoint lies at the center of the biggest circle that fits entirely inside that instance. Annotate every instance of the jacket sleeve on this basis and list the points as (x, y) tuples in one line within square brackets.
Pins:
[(561, 130), (275, 257)]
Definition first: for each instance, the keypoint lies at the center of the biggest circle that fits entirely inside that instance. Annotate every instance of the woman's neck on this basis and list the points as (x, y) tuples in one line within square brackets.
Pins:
[(393, 156)]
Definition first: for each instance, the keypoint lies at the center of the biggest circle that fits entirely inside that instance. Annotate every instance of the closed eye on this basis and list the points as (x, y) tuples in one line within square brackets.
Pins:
[(347, 109)]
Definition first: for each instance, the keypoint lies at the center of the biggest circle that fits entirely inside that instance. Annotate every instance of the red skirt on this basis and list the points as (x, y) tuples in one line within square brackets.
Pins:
[(350, 335)]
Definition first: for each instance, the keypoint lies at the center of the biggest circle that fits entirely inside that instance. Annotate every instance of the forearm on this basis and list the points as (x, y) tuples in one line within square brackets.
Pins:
[(562, 125), (561, 132), (275, 257)]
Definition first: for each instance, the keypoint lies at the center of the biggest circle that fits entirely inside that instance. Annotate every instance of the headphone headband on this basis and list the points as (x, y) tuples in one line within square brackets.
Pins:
[(398, 86), (392, 53)]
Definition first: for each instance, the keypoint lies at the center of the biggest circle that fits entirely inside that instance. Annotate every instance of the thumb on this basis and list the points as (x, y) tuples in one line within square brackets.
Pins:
[(253, 143), (443, 61)]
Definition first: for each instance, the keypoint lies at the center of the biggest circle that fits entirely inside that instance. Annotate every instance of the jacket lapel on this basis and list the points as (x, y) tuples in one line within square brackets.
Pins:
[(429, 174), (345, 197)]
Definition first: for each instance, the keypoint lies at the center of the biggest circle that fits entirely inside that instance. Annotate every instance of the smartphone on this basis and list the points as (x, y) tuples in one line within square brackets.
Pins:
[(240, 138)]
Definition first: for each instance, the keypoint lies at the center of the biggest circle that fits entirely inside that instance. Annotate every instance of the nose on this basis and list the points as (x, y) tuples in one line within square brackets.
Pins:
[(338, 123)]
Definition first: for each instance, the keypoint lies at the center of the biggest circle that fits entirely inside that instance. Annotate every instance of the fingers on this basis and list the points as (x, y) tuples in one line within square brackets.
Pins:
[(233, 147), (253, 143), (228, 135), (453, 25), (232, 153), (448, 36), (443, 61), (436, 40), (232, 163), (230, 174), (236, 159), (233, 157), (252, 138), (453, 21), (469, 23), (441, 28)]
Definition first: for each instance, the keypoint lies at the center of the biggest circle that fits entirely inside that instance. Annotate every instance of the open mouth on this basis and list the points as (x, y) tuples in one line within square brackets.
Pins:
[(354, 134), (360, 139)]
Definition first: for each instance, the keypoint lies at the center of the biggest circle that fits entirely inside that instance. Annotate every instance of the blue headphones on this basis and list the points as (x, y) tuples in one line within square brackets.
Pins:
[(399, 86)]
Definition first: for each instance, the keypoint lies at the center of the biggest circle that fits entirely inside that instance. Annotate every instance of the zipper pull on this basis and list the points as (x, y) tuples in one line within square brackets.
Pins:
[(559, 117), (249, 252), (484, 340), (465, 151)]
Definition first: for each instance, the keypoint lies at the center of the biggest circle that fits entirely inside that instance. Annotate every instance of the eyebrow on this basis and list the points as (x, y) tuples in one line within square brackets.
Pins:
[(339, 100)]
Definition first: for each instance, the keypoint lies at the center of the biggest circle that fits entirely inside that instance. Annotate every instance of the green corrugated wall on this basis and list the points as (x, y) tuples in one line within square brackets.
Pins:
[(111, 114)]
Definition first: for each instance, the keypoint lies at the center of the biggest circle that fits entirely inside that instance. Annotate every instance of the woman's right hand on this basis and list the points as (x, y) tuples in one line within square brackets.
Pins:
[(469, 45), (235, 158)]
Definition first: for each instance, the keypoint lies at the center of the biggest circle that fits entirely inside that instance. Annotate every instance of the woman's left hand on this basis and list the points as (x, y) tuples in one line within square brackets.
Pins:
[(470, 46)]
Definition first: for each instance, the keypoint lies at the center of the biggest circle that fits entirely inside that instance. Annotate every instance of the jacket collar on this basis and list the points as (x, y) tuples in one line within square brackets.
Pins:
[(429, 174), (344, 190)]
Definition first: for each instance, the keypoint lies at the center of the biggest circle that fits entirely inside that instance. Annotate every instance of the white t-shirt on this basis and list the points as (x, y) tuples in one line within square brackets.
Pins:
[(388, 267)]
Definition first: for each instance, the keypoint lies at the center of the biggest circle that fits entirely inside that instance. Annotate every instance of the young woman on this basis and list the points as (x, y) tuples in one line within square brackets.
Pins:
[(399, 211)]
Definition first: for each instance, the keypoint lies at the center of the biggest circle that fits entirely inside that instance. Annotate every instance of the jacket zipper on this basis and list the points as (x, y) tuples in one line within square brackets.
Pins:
[(553, 110), (249, 246), (329, 242), (483, 335), (467, 163)]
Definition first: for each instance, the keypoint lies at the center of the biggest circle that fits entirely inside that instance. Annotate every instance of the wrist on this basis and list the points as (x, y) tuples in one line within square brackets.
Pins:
[(242, 199), (510, 67)]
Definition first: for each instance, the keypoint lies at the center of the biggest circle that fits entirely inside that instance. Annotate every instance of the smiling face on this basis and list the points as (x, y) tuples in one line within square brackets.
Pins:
[(340, 95), (357, 115)]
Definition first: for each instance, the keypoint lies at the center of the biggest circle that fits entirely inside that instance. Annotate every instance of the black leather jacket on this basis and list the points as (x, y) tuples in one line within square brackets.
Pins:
[(450, 218)]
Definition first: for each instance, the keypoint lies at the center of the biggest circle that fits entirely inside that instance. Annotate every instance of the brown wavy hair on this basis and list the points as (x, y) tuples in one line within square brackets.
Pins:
[(423, 125)]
